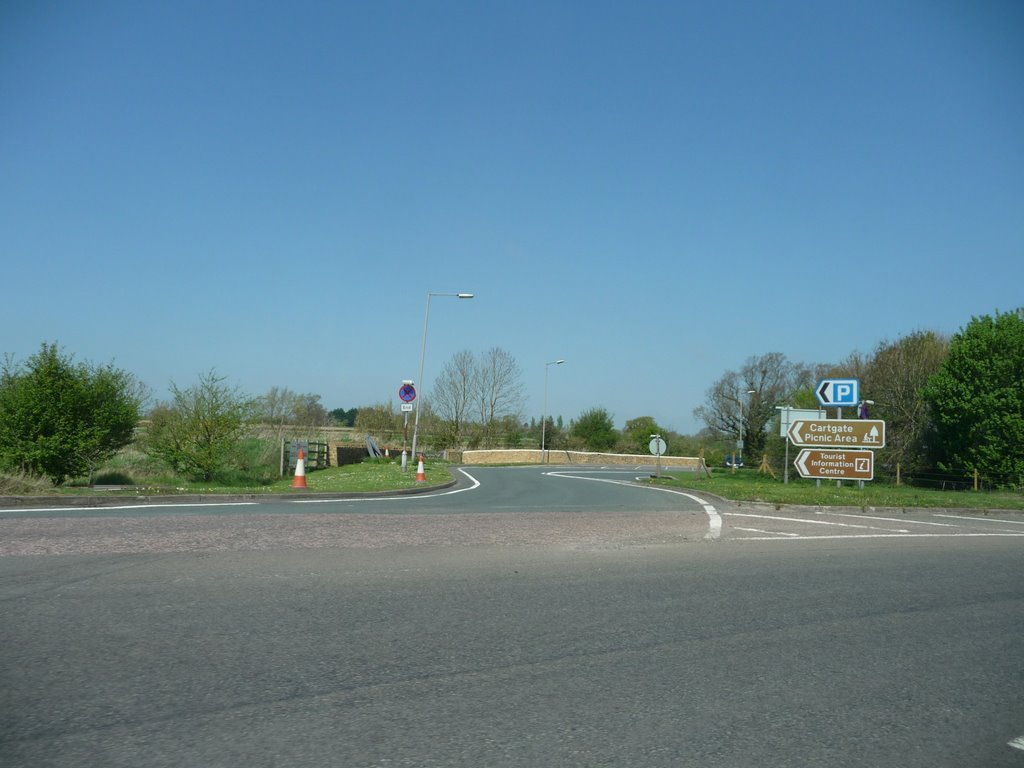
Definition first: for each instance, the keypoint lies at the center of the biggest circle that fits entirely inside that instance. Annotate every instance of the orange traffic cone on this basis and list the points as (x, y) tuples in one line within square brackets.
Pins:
[(299, 480), (421, 476)]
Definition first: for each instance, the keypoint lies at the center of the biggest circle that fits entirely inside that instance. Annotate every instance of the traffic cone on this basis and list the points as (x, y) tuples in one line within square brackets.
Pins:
[(421, 476), (299, 481)]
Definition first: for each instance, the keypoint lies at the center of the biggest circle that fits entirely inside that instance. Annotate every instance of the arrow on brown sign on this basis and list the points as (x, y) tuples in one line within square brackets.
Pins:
[(838, 433), (836, 465)]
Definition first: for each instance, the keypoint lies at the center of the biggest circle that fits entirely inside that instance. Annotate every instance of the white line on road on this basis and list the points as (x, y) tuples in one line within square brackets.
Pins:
[(714, 520), (884, 519), (1017, 743), (889, 536), (154, 505), (769, 533), (982, 519), (811, 522)]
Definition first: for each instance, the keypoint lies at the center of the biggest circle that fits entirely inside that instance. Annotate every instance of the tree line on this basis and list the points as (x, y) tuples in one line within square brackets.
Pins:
[(950, 404)]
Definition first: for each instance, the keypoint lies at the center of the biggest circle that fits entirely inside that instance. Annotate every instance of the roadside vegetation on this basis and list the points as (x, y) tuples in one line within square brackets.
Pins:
[(751, 485), (953, 408), (373, 475)]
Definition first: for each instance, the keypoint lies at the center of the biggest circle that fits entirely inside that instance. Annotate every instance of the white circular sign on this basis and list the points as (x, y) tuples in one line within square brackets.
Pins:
[(658, 446)]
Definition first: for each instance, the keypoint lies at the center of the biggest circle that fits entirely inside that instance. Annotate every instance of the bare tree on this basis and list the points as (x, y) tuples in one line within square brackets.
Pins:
[(748, 397), (499, 389), (483, 391), (453, 393), (274, 409)]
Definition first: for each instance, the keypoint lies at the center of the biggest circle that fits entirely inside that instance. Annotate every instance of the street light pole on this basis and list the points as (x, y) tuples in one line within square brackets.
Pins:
[(739, 443), (544, 420), (423, 354)]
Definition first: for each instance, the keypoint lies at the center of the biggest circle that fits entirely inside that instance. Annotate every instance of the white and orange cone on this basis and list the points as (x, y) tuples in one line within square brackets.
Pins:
[(421, 476), (299, 481)]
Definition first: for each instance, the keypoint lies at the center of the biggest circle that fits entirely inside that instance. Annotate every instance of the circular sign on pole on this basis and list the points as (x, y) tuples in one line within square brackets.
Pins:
[(658, 446), (407, 393)]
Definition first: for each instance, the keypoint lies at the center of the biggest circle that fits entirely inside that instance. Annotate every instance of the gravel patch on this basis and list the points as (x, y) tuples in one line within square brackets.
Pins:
[(198, 533)]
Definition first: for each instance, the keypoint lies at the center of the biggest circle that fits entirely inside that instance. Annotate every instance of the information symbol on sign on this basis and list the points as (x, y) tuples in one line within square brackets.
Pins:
[(407, 393)]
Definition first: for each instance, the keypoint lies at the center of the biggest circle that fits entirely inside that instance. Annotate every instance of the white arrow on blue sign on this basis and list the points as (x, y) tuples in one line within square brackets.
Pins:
[(838, 392)]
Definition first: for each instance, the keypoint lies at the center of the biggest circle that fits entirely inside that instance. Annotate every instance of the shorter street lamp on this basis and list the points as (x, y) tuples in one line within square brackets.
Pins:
[(739, 443), (423, 354), (544, 420)]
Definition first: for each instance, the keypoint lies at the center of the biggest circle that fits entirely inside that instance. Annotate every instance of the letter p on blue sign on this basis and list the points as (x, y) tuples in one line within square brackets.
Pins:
[(838, 392)]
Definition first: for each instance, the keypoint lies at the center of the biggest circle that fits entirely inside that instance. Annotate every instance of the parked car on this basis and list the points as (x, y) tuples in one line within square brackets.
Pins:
[(734, 460)]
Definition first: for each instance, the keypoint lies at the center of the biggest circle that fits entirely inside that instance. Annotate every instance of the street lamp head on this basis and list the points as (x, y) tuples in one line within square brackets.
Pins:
[(465, 295)]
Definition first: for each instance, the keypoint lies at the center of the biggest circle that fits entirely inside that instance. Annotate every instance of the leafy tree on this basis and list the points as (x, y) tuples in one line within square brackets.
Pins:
[(309, 412), (199, 432), (62, 419), (344, 418), (636, 435), (595, 429), (895, 379), (977, 399)]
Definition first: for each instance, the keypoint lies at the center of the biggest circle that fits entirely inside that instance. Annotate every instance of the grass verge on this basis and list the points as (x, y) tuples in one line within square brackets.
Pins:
[(370, 476), (750, 485)]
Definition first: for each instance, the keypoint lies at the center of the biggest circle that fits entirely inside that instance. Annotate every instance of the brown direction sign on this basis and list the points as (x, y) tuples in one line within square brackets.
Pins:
[(838, 433), (836, 465)]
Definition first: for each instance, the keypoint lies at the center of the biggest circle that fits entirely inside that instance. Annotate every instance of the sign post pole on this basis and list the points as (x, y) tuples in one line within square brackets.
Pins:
[(406, 393), (657, 447)]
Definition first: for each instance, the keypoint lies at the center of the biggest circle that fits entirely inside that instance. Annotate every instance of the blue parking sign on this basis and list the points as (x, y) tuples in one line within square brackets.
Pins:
[(838, 392)]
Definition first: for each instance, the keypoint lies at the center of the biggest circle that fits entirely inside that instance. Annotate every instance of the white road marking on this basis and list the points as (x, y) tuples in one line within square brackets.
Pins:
[(714, 519), (981, 519), (811, 522), (156, 504), (770, 533), (884, 519), (889, 536), (1017, 743)]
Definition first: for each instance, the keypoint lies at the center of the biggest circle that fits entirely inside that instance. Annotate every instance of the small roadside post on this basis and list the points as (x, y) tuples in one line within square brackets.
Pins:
[(657, 447)]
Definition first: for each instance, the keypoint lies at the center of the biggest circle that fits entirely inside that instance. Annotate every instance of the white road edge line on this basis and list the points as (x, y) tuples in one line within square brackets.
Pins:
[(157, 505), (1017, 743), (838, 536), (714, 519)]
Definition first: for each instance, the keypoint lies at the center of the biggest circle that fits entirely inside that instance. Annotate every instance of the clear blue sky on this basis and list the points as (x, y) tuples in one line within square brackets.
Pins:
[(654, 191)]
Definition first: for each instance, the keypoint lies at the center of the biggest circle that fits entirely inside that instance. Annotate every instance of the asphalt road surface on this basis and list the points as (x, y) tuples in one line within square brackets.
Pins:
[(527, 617)]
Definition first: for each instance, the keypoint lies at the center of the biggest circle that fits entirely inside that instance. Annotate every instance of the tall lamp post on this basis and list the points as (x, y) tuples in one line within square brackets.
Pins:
[(544, 421), (739, 443), (423, 354)]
